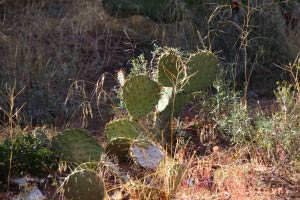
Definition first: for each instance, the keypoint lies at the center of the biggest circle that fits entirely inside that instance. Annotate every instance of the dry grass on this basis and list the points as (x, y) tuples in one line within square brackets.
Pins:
[(49, 45)]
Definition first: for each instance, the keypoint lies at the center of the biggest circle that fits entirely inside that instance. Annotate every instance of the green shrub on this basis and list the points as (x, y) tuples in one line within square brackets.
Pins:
[(230, 114), (279, 135), (29, 156)]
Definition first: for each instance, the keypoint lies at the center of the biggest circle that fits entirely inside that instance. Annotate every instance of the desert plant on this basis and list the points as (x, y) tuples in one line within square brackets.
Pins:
[(120, 134), (76, 146), (202, 69), (170, 69), (236, 124), (123, 128), (278, 135), (194, 75), (83, 185), (29, 156), (141, 95)]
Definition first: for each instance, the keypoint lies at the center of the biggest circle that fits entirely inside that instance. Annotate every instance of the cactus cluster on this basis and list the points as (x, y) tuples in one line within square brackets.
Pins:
[(127, 138), (83, 184), (141, 95), (76, 146), (177, 79)]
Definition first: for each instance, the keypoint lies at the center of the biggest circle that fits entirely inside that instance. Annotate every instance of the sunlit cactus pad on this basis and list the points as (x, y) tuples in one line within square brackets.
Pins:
[(76, 146), (170, 69), (203, 68), (84, 185), (141, 95), (122, 128), (146, 154), (119, 147)]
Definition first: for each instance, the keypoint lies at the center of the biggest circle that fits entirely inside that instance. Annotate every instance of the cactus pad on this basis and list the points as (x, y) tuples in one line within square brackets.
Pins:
[(141, 95), (122, 128), (83, 185), (119, 147), (146, 154), (76, 146), (170, 68), (203, 69)]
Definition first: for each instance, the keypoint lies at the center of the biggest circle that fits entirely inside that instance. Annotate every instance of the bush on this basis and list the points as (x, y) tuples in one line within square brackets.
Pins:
[(29, 156), (279, 135)]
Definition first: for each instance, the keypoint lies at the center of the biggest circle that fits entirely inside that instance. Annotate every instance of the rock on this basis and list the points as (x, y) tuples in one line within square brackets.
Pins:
[(30, 194), (34, 194)]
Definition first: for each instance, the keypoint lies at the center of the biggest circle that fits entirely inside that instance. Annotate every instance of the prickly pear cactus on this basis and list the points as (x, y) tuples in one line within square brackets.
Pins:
[(170, 69), (146, 154), (83, 185), (119, 147), (203, 69), (76, 146), (141, 95), (123, 128)]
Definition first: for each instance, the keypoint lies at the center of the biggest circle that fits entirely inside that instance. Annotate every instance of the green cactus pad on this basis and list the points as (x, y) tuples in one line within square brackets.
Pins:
[(170, 68), (141, 95), (202, 68), (122, 128), (146, 154), (119, 147), (83, 185), (76, 146)]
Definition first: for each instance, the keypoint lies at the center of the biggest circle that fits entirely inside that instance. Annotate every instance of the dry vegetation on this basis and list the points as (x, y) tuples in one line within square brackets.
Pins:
[(59, 61)]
